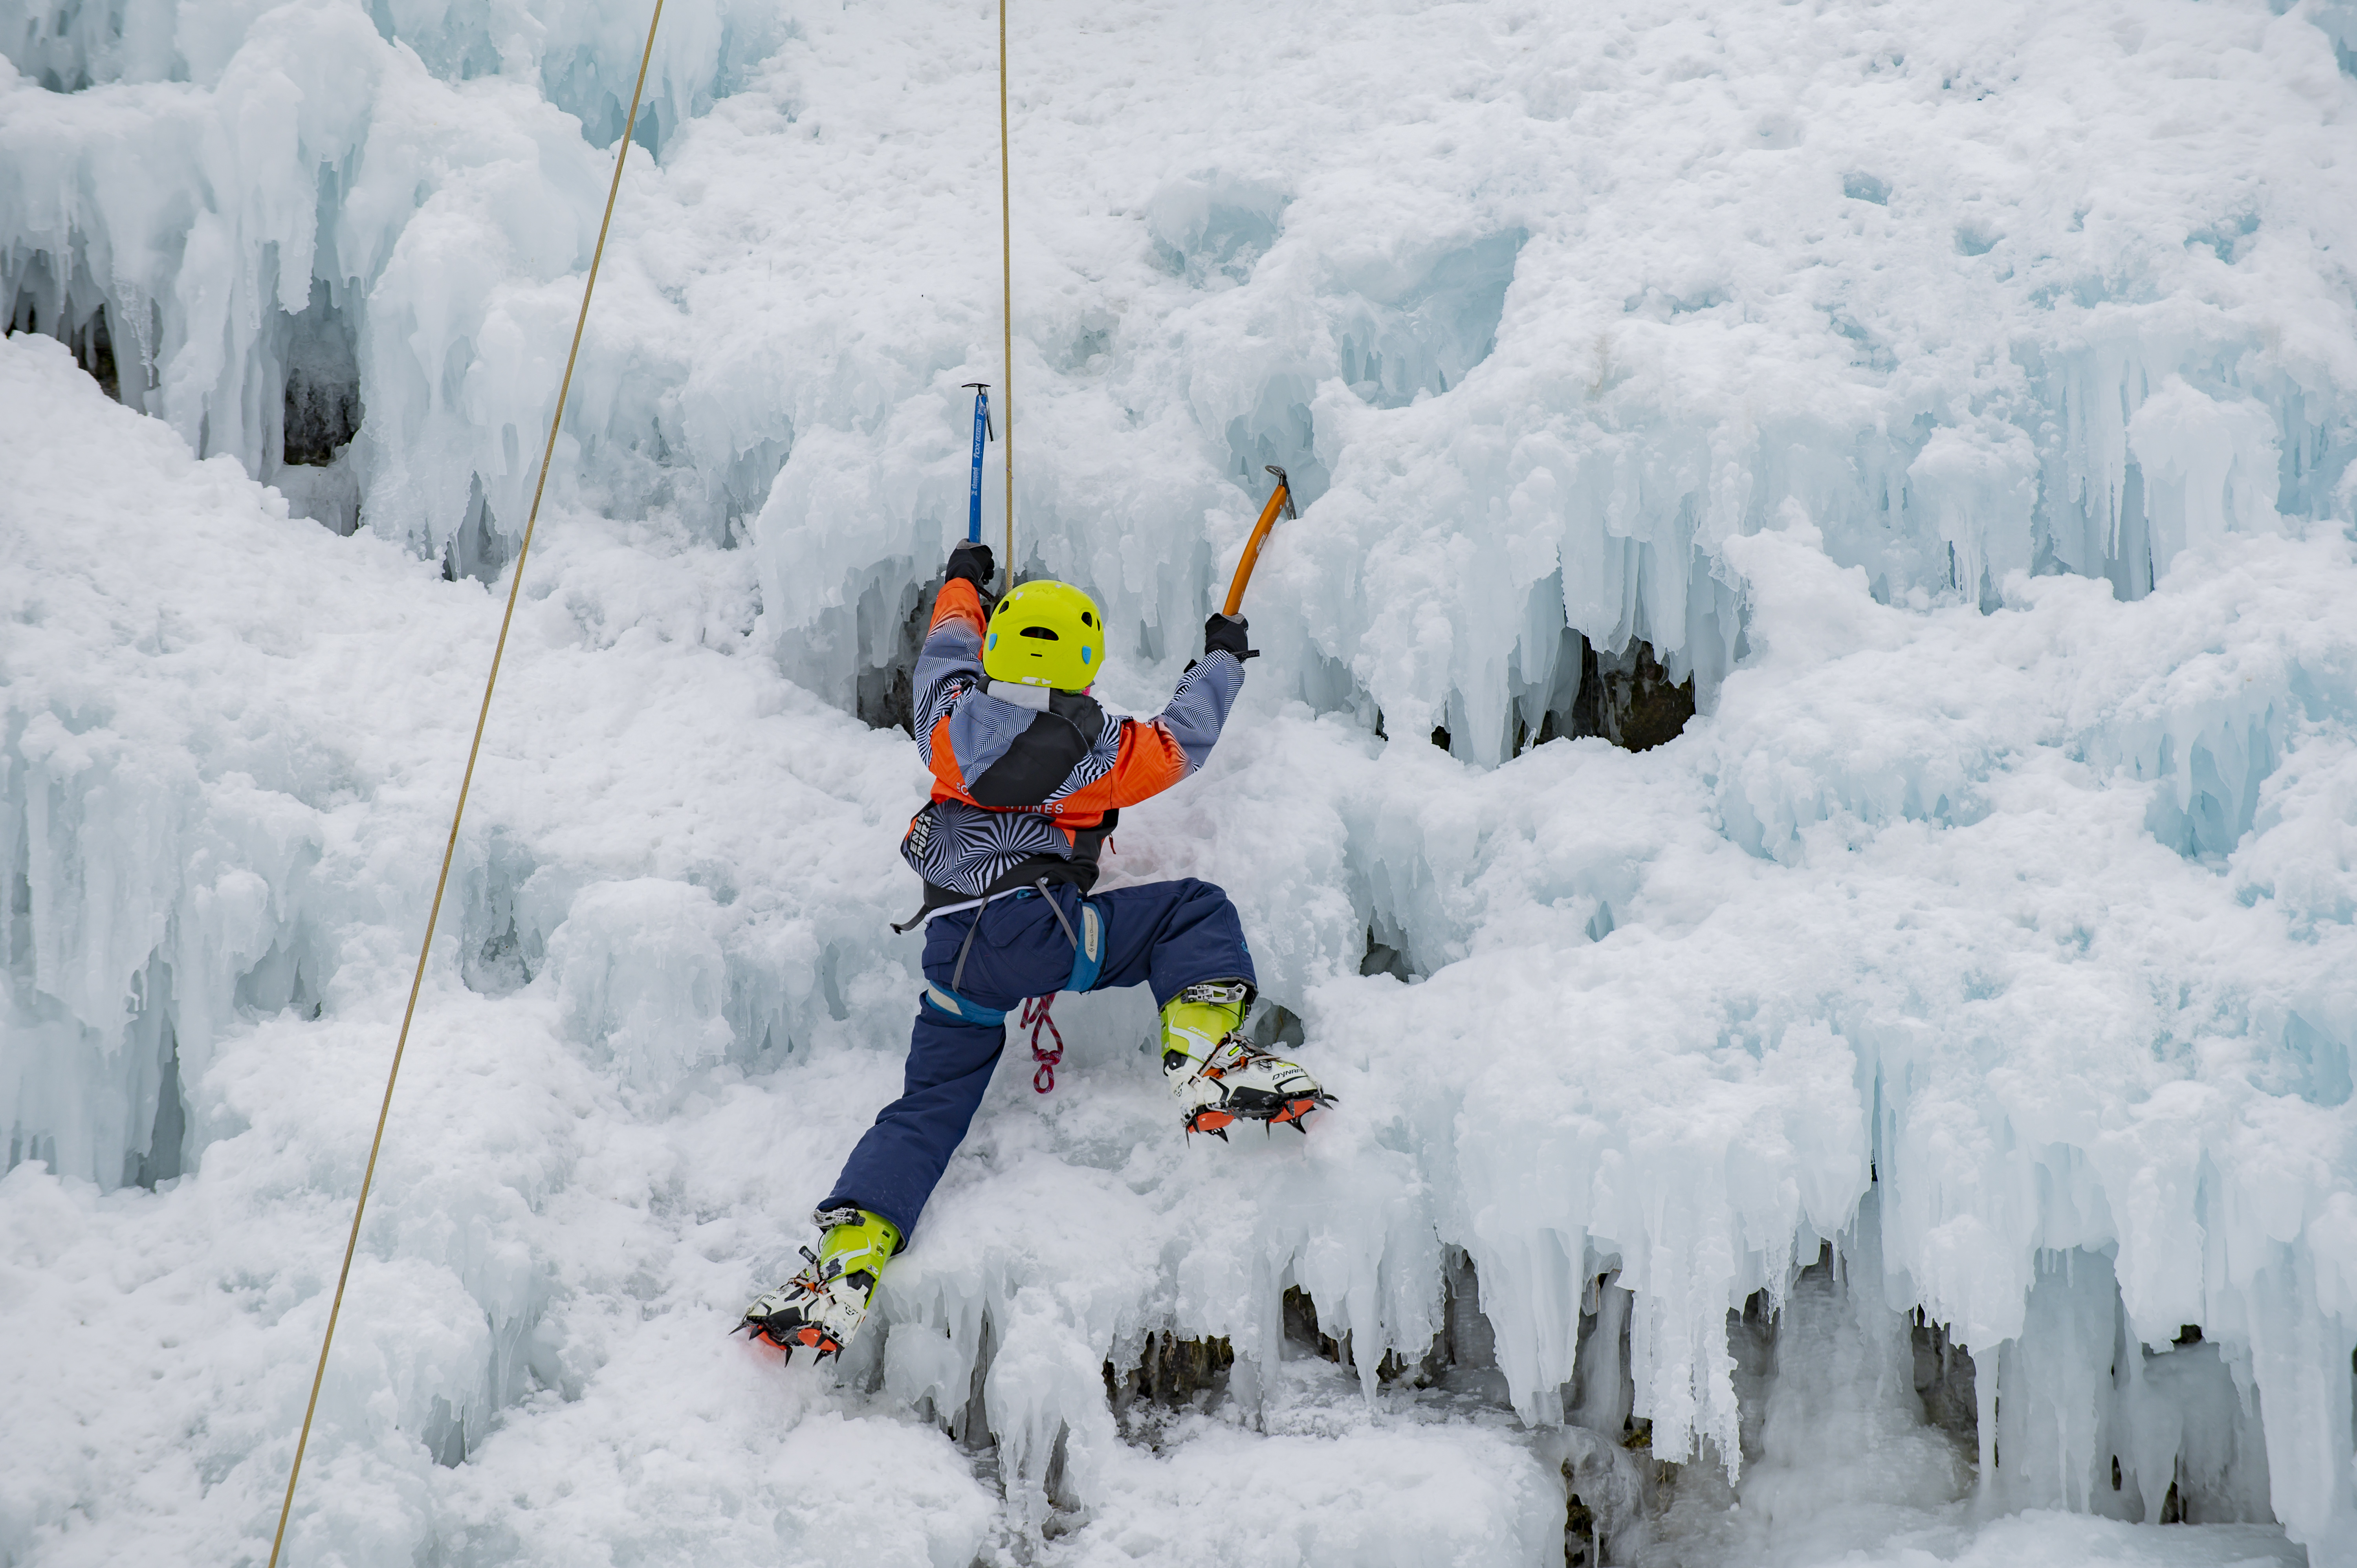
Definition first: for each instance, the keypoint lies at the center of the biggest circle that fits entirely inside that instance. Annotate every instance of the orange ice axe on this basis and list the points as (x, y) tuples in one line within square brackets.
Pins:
[(1282, 499)]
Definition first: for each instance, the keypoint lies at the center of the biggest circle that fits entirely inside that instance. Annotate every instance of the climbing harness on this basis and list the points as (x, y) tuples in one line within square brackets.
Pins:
[(1281, 497), (466, 782), (1088, 960), (982, 430)]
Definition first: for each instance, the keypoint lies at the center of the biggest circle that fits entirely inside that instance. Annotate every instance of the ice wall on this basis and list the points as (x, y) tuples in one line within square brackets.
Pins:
[(1911, 901), (1784, 340), (1598, 298), (414, 180)]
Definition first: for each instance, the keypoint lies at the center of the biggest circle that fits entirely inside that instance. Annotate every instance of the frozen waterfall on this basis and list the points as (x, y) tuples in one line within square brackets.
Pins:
[(1906, 1113)]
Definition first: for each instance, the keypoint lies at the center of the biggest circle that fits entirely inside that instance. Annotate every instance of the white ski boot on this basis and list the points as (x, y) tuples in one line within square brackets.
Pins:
[(1221, 1077)]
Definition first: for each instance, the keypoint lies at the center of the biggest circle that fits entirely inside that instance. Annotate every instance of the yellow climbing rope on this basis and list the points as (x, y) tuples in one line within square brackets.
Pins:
[(1006, 304), (449, 850)]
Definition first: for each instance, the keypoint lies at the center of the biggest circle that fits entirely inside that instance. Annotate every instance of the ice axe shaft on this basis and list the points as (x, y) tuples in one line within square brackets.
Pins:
[(973, 489), (1281, 499)]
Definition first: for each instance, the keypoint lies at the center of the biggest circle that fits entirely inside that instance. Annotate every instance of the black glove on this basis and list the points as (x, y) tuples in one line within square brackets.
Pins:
[(1229, 634), (973, 561)]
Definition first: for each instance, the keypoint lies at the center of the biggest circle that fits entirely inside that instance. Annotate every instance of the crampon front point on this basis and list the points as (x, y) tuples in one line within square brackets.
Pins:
[(807, 1337)]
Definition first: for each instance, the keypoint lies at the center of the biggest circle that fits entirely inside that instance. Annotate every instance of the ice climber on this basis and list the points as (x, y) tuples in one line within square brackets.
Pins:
[(1029, 777)]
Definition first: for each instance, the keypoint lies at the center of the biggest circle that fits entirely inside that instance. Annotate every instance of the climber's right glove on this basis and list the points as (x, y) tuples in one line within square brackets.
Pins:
[(1229, 634), (973, 561)]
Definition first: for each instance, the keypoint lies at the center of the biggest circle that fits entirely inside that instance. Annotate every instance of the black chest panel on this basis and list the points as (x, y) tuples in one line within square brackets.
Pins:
[(1044, 755)]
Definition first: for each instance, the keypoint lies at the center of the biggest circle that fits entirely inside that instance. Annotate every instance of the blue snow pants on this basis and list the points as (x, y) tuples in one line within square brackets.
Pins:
[(1164, 935)]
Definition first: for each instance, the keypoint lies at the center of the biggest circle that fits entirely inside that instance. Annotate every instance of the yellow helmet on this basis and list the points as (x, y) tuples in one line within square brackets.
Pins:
[(1045, 634)]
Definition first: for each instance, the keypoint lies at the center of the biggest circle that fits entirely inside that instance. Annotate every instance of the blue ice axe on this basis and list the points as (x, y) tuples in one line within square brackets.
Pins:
[(982, 430)]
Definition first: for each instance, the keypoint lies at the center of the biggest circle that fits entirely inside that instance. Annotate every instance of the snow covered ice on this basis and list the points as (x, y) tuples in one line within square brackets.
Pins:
[(1906, 1118)]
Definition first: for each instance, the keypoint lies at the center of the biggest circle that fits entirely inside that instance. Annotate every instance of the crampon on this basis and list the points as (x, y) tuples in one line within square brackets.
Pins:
[(1244, 1083), (795, 1318), (822, 1307)]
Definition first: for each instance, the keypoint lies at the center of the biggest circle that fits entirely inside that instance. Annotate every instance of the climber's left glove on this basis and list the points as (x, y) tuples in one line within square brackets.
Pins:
[(1229, 634), (973, 561)]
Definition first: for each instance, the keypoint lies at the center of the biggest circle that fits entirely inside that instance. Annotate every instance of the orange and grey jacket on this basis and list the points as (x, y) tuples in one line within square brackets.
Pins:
[(1028, 782)]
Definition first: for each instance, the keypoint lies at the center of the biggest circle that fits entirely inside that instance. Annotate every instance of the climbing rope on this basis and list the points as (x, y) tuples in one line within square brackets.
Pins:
[(1006, 304), (450, 848)]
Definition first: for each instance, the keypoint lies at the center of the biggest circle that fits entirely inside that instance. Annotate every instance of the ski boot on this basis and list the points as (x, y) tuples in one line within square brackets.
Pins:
[(822, 1308), (1221, 1077)]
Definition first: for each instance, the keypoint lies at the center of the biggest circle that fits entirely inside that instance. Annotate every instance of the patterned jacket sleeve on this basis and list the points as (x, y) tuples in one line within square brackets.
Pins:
[(1151, 755), (949, 664)]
